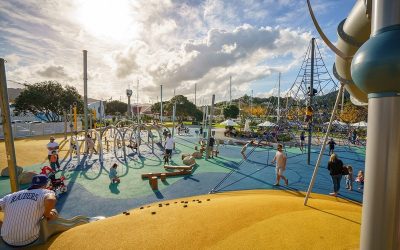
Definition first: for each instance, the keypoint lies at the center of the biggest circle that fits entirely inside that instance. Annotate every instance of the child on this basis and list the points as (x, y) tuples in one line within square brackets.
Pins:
[(309, 114), (244, 149), (53, 160), (360, 179), (349, 178), (166, 159), (113, 174)]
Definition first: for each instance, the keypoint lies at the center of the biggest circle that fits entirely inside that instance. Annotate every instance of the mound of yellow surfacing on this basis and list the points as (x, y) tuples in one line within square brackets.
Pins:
[(31, 151), (234, 220)]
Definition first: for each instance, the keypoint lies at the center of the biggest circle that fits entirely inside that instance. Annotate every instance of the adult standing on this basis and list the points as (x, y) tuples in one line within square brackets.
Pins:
[(23, 211), (335, 167), (302, 140), (53, 146), (201, 132), (280, 159), (331, 144), (211, 144), (169, 145)]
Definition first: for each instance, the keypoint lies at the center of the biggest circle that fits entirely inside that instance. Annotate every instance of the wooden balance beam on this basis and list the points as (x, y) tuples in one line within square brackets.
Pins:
[(178, 167), (182, 172)]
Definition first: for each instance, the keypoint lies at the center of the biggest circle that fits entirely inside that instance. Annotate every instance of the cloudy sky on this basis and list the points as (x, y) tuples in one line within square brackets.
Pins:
[(173, 43)]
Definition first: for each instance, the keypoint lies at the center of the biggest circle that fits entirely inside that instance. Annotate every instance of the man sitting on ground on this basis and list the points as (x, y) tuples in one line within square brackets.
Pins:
[(23, 211)]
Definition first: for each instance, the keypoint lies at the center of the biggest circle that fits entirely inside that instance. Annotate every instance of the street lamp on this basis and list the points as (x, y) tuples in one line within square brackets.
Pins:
[(129, 93)]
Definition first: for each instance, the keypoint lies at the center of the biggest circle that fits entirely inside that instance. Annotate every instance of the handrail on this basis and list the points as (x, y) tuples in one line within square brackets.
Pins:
[(324, 37)]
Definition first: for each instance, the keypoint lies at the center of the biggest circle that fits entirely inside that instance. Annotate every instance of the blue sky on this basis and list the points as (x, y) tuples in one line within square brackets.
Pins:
[(174, 43)]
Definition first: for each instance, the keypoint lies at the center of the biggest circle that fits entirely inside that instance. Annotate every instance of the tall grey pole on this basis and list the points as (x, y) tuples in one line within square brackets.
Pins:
[(328, 130), (65, 124), (375, 71), (251, 104), (279, 98), (311, 99), (230, 90), (85, 91), (209, 127), (173, 116), (137, 102), (342, 106), (8, 133), (195, 94), (161, 111)]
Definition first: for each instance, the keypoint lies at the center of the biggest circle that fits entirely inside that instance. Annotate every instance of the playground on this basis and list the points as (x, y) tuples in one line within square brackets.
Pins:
[(90, 192)]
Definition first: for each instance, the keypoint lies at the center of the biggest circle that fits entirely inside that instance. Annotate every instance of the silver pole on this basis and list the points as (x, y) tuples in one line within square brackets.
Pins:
[(173, 116), (341, 107), (311, 99), (85, 91), (8, 133), (321, 152), (209, 127), (195, 94), (230, 90), (65, 124), (137, 102), (279, 97), (251, 104), (161, 112), (380, 226)]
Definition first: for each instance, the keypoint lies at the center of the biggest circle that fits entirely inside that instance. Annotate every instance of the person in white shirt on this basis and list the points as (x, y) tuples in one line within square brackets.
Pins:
[(53, 146), (23, 211), (169, 145), (280, 159)]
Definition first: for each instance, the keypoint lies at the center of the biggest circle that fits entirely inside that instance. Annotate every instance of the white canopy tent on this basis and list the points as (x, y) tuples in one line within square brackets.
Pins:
[(336, 123), (229, 122), (267, 124), (361, 124)]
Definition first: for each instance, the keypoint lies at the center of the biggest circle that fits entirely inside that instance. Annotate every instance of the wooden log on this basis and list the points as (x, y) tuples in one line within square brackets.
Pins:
[(181, 172), (153, 182), (178, 167), (163, 176)]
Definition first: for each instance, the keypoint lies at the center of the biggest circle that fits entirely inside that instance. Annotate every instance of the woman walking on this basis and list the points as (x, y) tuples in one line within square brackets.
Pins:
[(335, 167)]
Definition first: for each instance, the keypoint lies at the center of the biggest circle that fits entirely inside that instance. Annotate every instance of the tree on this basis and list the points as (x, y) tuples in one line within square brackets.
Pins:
[(352, 113), (184, 108), (114, 107), (49, 99), (231, 111)]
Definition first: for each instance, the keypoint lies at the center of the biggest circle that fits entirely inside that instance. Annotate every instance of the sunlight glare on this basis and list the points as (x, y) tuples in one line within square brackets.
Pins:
[(107, 19)]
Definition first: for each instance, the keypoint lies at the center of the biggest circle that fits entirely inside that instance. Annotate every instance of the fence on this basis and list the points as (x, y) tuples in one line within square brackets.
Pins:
[(35, 129)]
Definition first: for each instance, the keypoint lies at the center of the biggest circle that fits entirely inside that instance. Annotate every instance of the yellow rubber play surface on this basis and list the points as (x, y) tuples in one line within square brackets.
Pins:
[(255, 219), (31, 150)]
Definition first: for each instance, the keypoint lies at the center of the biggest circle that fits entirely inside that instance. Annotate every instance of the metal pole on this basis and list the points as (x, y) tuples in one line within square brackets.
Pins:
[(173, 116), (195, 94), (8, 134), (209, 127), (161, 112), (311, 99), (376, 74), (251, 104), (137, 102), (65, 124), (279, 97), (230, 90), (342, 106), (85, 91), (314, 176)]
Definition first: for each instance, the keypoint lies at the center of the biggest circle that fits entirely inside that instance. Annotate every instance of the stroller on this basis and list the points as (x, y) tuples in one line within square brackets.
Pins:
[(56, 184)]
